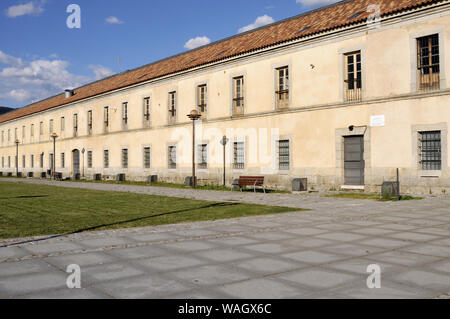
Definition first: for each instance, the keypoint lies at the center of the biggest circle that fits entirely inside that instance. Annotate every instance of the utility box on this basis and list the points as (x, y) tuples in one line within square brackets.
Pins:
[(97, 177), (30, 174), (390, 189), (299, 184), (188, 181), (152, 179), (120, 178)]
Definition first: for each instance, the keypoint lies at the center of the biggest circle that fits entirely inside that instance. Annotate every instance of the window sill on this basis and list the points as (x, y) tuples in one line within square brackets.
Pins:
[(430, 174)]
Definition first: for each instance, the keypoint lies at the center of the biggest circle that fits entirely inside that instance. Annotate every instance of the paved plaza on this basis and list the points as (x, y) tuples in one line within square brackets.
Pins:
[(322, 253)]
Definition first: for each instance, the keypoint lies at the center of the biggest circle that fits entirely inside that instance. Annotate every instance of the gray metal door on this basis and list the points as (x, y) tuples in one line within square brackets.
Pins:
[(76, 161), (354, 160)]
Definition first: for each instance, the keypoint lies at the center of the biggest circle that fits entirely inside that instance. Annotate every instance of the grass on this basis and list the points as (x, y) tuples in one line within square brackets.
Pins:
[(32, 210), (372, 196)]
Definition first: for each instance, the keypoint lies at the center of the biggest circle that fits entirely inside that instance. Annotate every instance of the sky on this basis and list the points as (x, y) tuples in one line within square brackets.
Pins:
[(40, 56)]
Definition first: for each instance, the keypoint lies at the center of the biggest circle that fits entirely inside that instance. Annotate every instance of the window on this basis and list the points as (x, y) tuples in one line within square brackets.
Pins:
[(172, 107), (283, 154), (41, 128), (9, 161), (353, 80), (63, 160), (3, 162), (15, 134), (50, 127), (89, 115), (146, 157), (172, 157), (106, 158), (23, 132), (202, 156), (202, 98), (32, 161), (3, 136), (63, 124), (282, 88), (238, 155), (32, 130), (124, 114), (238, 96), (124, 158), (89, 159), (50, 160), (430, 150), (9, 135), (75, 124), (428, 67), (23, 161), (106, 117), (147, 111), (41, 160)]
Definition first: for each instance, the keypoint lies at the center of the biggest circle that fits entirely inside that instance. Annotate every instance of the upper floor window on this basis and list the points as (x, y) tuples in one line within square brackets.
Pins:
[(430, 150), (15, 134), (90, 123), (63, 124), (202, 98), (32, 130), (124, 114), (106, 117), (9, 135), (75, 124), (23, 132), (202, 156), (3, 136), (50, 127), (147, 110), (172, 107), (41, 128), (353, 76), (428, 67), (238, 96), (282, 87)]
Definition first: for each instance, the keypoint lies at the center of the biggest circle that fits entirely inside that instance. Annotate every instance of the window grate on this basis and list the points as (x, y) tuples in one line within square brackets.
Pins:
[(283, 154), (146, 157), (124, 158), (106, 158), (238, 155), (202, 156), (430, 150), (89, 159)]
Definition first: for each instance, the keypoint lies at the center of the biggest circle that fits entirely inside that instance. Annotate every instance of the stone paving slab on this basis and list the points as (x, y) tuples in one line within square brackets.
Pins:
[(323, 253)]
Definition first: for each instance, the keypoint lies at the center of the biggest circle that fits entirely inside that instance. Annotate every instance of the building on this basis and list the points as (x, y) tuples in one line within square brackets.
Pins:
[(343, 95)]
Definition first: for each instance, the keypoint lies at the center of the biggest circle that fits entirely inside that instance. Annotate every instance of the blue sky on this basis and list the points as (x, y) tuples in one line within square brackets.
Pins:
[(40, 56)]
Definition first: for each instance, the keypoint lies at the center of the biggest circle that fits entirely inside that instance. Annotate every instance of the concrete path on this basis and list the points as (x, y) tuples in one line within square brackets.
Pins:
[(319, 254)]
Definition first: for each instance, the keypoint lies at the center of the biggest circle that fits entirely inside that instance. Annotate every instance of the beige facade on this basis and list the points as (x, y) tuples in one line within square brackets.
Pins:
[(391, 114)]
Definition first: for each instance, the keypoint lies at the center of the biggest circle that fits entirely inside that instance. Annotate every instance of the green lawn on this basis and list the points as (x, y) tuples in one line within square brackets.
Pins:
[(31, 210)]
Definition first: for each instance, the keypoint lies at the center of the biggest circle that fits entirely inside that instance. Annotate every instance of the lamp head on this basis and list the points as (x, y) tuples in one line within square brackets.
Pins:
[(54, 135), (194, 115)]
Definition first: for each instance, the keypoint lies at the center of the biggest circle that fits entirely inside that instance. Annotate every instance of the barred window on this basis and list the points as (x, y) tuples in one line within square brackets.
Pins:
[(75, 124), (125, 114), (353, 80), (106, 158), (32, 161), (172, 157), (238, 96), (428, 67), (147, 109), (283, 154), (238, 155), (89, 115), (50, 127), (41, 160), (124, 158), (146, 157), (172, 107), (430, 150), (282, 87), (63, 160), (89, 159), (106, 116), (202, 156)]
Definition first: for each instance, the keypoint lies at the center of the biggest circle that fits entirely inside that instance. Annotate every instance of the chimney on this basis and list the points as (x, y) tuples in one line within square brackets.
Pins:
[(68, 93)]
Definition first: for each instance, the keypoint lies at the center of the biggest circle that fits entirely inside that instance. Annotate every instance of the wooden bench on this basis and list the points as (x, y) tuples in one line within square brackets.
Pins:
[(244, 181)]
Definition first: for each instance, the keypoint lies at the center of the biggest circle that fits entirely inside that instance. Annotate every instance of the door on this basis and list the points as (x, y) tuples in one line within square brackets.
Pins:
[(354, 160), (76, 161)]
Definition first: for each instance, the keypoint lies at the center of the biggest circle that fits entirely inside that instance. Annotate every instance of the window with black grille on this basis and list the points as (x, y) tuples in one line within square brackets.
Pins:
[(89, 159), (106, 158), (63, 160), (172, 107), (172, 157), (124, 158), (238, 155), (428, 67), (89, 114), (124, 114), (430, 150), (106, 117), (202, 156), (147, 110), (283, 154), (146, 157)]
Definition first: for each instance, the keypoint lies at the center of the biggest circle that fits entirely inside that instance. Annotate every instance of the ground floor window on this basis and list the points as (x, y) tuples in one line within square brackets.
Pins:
[(124, 158), (106, 158), (63, 160), (283, 154), (41, 163), (430, 150), (146, 157), (89, 159), (238, 155), (23, 161), (32, 161), (172, 157), (202, 156)]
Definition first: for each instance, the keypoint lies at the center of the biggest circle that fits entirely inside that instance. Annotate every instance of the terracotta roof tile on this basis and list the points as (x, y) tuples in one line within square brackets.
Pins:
[(320, 20)]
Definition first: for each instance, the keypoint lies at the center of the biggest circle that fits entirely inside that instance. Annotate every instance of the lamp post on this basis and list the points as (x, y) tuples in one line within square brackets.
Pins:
[(194, 116), (82, 154), (224, 142), (54, 136), (17, 156)]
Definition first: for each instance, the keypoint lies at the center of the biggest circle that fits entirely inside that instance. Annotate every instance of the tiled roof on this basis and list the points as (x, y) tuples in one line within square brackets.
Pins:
[(324, 19)]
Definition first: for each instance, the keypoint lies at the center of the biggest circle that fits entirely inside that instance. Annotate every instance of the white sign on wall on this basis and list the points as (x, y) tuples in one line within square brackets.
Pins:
[(377, 120)]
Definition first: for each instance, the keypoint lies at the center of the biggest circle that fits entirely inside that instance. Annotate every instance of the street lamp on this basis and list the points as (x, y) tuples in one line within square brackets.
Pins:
[(194, 116), (17, 156), (224, 142), (54, 136)]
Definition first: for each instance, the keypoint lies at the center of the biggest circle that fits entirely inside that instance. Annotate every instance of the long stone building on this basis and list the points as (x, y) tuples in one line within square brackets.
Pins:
[(342, 95)]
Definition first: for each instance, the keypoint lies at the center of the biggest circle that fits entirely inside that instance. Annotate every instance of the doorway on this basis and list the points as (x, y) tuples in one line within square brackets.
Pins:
[(354, 160), (76, 161)]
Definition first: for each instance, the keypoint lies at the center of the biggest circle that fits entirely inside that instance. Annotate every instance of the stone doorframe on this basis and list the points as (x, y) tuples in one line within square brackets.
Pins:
[(340, 134)]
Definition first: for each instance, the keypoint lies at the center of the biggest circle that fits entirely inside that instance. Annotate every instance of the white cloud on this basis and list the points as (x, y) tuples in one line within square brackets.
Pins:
[(101, 71), (113, 20), (316, 3), (197, 42), (24, 9), (259, 22), (35, 80)]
